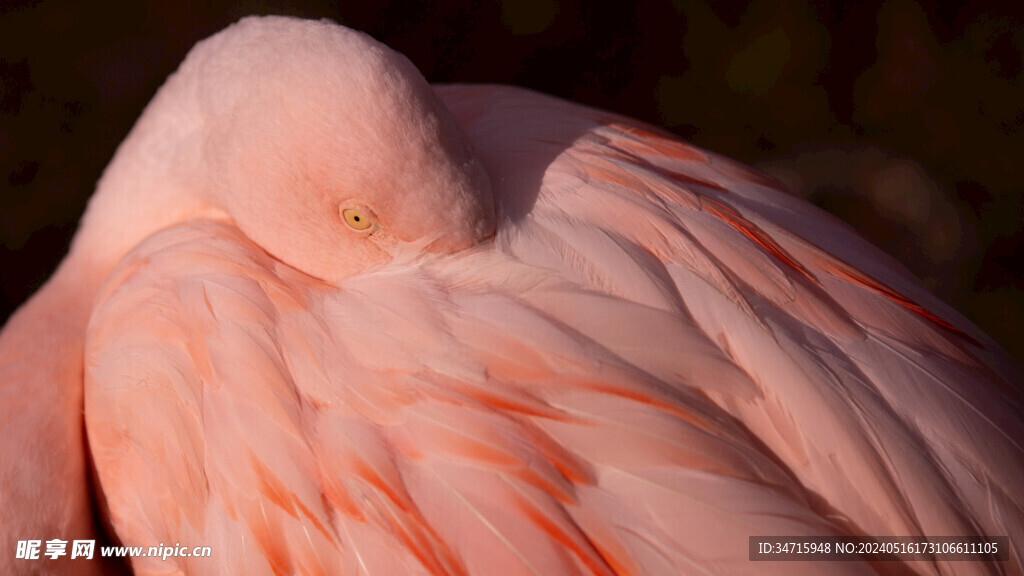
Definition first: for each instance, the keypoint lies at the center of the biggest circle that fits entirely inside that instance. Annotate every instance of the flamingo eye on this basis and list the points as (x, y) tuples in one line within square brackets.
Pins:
[(356, 219)]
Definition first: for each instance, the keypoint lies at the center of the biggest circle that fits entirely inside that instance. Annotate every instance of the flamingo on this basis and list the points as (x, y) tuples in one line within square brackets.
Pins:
[(325, 318)]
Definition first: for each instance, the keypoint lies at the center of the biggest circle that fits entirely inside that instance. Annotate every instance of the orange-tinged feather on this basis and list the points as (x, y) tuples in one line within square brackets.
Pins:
[(340, 499), (659, 142), (272, 488), (845, 272), (271, 544), (752, 232), (582, 548)]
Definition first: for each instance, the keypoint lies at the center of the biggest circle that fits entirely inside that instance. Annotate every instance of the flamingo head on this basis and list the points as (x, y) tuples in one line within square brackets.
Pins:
[(327, 148)]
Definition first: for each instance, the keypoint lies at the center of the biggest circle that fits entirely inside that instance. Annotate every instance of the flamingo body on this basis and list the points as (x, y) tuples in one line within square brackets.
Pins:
[(658, 354)]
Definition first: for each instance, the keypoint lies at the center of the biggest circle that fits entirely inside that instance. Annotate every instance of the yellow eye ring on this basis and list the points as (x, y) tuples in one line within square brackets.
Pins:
[(356, 219)]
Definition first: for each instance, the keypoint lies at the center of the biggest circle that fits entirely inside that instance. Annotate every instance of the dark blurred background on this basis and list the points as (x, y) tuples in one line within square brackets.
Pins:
[(903, 118)]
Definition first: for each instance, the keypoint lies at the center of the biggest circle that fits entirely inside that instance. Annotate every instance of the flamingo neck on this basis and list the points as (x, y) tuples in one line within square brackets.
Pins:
[(41, 395), (42, 440)]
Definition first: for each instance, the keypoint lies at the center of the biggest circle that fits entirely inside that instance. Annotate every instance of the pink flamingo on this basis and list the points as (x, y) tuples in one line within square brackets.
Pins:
[(327, 319)]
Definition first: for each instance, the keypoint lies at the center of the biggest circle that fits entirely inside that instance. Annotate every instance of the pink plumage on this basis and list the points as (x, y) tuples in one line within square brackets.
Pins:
[(331, 320)]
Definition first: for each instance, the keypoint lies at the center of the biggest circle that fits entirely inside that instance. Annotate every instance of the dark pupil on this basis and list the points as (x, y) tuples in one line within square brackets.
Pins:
[(356, 218)]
